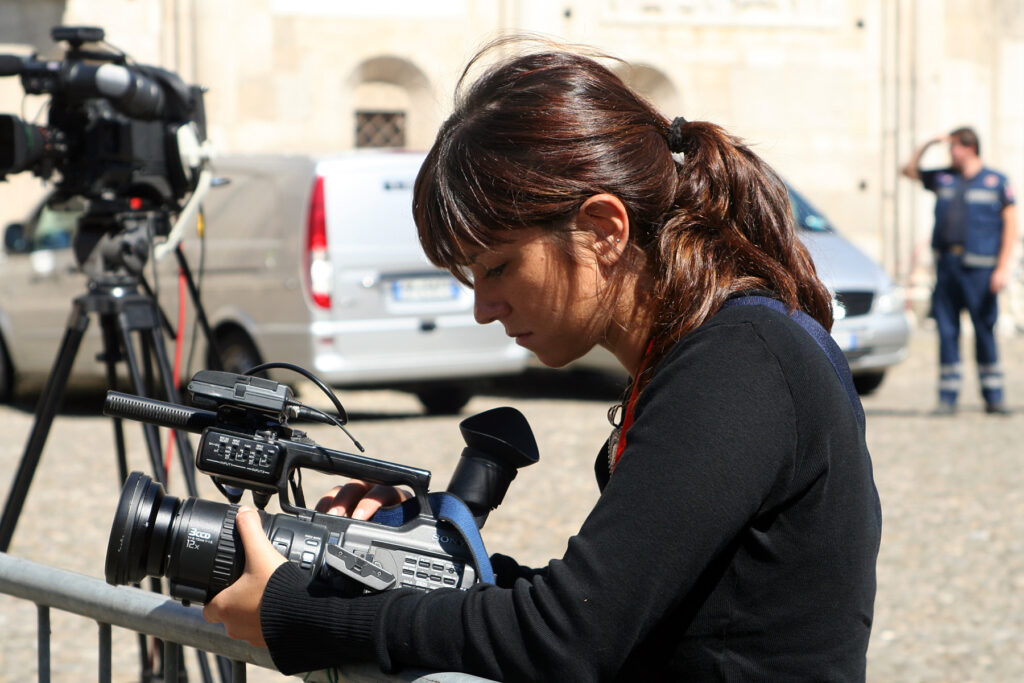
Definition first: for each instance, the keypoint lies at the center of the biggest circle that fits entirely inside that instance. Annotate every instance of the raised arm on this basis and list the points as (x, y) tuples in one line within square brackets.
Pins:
[(911, 170)]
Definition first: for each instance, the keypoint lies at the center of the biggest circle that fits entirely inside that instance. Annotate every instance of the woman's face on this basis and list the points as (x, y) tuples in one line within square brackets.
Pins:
[(550, 302)]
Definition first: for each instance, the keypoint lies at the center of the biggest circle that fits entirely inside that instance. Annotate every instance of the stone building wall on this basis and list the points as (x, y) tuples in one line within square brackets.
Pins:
[(834, 93)]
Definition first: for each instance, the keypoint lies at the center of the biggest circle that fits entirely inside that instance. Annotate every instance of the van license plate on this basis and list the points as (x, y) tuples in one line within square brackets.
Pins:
[(413, 289)]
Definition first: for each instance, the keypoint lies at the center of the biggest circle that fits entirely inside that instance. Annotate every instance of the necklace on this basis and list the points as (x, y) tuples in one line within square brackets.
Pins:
[(620, 415)]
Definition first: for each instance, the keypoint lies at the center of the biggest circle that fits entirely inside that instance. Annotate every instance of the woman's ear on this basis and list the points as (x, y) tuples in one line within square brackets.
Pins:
[(605, 216)]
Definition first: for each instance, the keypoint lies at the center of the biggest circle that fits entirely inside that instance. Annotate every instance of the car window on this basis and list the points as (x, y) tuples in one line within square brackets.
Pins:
[(806, 216), (56, 224)]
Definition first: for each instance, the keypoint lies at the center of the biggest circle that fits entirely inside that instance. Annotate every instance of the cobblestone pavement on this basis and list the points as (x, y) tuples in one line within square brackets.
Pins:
[(950, 603)]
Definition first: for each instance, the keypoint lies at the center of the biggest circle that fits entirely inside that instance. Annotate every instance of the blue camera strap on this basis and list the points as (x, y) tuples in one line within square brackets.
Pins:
[(451, 511), (821, 336)]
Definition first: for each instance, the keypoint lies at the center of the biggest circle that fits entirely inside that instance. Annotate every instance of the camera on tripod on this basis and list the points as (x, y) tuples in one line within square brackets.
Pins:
[(126, 137), (430, 541)]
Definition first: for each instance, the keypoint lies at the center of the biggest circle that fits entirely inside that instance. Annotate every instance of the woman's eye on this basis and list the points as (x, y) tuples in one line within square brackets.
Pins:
[(494, 272)]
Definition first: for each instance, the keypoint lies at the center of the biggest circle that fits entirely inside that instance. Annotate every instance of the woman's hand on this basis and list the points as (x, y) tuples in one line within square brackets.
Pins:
[(238, 605), (359, 499)]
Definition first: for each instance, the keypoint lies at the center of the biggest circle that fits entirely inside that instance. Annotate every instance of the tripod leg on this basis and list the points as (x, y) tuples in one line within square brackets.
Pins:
[(150, 431), (110, 357), (48, 403), (158, 350)]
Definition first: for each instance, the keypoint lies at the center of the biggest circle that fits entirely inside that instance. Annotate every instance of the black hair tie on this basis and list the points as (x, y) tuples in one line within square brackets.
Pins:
[(675, 134)]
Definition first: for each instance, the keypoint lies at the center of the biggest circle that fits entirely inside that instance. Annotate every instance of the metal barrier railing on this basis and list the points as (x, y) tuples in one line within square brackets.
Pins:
[(155, 615)]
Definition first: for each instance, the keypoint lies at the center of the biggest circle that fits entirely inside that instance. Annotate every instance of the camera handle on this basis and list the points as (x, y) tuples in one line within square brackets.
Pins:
[(219, 446), (354, 466)]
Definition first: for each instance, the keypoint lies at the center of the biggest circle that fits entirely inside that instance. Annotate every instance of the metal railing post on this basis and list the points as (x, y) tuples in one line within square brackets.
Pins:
[(171, 652), (43, 648), (104, 654)]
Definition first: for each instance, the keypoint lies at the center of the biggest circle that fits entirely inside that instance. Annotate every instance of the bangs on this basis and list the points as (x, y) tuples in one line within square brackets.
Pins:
[(457, 210)]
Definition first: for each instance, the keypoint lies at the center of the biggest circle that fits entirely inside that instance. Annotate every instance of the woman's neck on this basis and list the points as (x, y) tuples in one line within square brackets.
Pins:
[(632, 327)]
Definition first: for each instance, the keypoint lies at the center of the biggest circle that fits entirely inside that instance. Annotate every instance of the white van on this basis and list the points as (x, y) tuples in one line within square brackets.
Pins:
[(313, 261)]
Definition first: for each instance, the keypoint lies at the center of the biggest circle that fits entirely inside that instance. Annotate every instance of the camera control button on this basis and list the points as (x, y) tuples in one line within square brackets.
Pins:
[(360, 569), (306, 559), (282, 540)]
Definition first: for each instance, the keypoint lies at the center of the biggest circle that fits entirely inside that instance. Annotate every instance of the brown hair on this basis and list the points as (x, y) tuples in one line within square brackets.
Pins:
[(538, 134), (968, 138)]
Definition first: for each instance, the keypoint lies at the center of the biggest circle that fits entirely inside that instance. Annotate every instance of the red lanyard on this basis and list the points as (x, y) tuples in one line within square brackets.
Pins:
[(627, 419)]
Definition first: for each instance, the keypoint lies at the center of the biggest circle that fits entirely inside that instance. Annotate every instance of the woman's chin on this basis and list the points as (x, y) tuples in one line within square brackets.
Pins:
[(556, 361)]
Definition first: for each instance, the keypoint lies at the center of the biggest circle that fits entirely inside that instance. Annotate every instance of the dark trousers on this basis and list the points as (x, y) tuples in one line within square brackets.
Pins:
[(957, 288)]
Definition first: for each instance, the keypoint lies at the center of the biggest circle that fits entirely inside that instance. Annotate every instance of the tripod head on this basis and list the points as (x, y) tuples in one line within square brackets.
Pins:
[(115, 245)]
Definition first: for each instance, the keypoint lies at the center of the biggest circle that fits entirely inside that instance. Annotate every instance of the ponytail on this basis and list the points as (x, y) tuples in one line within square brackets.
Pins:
[(730, 229)]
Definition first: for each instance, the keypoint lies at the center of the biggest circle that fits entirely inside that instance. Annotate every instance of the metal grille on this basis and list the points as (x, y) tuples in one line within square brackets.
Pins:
[(855, 303), (380, 129)]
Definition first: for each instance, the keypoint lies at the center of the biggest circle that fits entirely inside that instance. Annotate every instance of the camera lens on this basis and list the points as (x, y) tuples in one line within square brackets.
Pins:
[(142, 512), (191, 541)]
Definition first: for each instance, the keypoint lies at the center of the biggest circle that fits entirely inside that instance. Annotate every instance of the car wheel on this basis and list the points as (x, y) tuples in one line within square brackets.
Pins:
[(237, 352), (444, 399), (6, 375), (867, 382)]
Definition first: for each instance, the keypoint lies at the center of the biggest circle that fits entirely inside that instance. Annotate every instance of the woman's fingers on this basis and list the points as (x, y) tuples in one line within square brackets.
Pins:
[(359, 499), (342, 500), (238, 605)]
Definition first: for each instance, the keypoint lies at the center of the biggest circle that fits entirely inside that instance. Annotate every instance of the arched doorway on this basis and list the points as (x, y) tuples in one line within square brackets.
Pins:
[(391, 104)]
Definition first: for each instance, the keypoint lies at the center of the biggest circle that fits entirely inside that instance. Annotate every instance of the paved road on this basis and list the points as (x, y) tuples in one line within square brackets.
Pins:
[(950, 603)]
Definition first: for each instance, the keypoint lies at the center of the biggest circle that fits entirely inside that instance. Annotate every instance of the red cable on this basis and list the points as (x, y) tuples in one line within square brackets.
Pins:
[(178, 344)]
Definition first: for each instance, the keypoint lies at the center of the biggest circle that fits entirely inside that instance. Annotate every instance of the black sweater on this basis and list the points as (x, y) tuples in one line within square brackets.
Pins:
[(736, 540)]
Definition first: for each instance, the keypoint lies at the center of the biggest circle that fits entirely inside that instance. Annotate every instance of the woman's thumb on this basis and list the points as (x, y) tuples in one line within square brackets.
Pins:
[(250, 531)]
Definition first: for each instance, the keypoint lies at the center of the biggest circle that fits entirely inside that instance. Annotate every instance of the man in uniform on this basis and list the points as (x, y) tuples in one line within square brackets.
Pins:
[(974, 239)]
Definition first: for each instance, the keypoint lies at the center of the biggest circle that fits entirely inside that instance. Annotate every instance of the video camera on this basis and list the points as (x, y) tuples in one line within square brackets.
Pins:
[(126, 137), (429, 542)]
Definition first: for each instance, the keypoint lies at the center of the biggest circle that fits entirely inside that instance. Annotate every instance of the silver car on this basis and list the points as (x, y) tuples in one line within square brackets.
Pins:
[(871, 325)]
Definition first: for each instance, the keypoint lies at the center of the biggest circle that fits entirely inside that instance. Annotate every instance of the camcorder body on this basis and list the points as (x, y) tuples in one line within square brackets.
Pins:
[(128, 138), (430, 541), (115, 130)]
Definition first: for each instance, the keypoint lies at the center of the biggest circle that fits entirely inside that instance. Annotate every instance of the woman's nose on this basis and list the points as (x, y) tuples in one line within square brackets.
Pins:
[(487, 310)]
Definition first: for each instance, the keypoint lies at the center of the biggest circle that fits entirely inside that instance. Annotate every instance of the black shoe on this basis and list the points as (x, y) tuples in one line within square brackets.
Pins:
[(944, 409), (997, 409)]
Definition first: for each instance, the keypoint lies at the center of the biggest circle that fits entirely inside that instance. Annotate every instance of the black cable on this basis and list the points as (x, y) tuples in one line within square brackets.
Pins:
[(342, 418)]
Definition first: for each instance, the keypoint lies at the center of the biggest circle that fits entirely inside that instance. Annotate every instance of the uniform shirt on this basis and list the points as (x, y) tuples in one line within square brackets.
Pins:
[(968, 212), (736, 540)]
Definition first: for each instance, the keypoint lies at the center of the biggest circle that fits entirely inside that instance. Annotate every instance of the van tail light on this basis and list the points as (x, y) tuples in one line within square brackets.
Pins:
[(319, 274)]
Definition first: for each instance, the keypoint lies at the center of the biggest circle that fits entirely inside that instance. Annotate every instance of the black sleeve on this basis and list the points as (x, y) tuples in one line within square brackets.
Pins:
[(713, 437), (928, 177), (308, 628), (507, 571)]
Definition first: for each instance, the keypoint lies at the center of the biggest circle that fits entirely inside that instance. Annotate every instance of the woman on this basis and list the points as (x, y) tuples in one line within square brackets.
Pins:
[(738, 525)]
